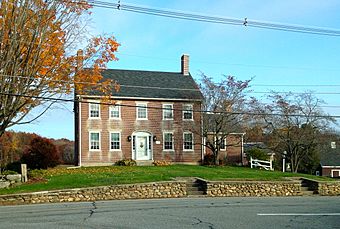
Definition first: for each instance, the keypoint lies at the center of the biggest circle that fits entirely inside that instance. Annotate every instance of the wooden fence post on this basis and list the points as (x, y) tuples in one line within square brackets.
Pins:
[(23, 172)]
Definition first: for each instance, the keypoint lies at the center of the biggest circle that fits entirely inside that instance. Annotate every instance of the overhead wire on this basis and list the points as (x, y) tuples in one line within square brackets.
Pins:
[(180, 89), (215, 19), (90, 101)]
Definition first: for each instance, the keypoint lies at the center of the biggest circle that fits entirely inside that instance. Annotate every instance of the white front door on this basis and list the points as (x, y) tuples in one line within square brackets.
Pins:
[(142, 146)]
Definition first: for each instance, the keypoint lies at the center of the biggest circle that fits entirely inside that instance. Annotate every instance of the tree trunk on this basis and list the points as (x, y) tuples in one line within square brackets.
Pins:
[(216, 157)]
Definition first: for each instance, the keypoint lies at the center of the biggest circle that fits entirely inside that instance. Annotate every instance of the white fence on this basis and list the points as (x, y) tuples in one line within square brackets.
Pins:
[(267, 165)]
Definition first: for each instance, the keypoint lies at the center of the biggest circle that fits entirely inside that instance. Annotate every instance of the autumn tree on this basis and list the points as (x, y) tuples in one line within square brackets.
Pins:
[(226, 102), (41, 154), (37, 56), (293, 122), (9, 149), (66, 150)]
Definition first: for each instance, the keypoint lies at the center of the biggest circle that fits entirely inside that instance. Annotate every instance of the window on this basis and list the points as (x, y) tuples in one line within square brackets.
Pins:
[(168, 112), (187, 112), (187, 141), (223, 144), (168, 142), (142, 111), (94, 110), (115, 112), (94, 141), (114, 141)]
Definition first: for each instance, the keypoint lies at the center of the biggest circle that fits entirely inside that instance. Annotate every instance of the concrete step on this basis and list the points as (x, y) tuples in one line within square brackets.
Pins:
[(193, 184), (306, 193), (145, 163), (194, 189), (195, 193), (304, 188)]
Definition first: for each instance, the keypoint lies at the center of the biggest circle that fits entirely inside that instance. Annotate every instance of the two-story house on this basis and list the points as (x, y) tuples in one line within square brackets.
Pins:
[(153, 118)]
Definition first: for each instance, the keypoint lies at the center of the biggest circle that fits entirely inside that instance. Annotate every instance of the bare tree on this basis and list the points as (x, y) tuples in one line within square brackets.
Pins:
[(36, 65), (293, 122), (226, 102)]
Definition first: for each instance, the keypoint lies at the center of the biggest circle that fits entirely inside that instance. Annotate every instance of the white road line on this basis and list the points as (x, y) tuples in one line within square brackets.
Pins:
[(298, 214)]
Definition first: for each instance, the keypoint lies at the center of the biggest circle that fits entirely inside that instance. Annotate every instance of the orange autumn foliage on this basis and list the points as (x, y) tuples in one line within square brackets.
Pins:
[(38, 39)]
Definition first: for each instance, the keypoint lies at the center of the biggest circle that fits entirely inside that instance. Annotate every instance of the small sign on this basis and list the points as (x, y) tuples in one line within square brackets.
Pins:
[(158, 142), (333, 145)]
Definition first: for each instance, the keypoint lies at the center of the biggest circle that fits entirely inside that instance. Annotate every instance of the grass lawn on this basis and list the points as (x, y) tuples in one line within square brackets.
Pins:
[(63, 178)]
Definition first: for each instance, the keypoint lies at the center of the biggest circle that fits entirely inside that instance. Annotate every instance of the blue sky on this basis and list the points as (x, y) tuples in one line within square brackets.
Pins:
[(271, 57)]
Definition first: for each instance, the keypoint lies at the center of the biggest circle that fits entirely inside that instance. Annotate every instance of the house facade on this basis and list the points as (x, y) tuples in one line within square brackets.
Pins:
[(330, 161), (153, 118), (231, 149)]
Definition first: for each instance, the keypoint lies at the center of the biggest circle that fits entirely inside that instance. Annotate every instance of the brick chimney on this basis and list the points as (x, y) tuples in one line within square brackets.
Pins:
[(185, 64), (80, 59)]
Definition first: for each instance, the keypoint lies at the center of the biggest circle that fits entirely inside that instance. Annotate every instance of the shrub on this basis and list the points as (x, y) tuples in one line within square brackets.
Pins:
[(257, 153), (209, 159), (41, 154), (8, 172), (161, 163), (126, 162), (36, 173), (14, 166)]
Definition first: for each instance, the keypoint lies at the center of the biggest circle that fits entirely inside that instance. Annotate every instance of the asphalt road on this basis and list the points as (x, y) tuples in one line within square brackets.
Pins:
[(277, 212)]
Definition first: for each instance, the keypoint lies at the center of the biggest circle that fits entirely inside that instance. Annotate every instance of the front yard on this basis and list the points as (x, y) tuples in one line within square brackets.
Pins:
[(63, 178)]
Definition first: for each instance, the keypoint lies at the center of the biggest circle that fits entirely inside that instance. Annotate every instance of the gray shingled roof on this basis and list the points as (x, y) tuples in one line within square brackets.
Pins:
[(330, 157), (152, 84)]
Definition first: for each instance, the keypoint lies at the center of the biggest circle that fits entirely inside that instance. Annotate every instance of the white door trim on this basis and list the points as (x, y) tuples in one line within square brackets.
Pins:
[(135, 143), (335, 170)]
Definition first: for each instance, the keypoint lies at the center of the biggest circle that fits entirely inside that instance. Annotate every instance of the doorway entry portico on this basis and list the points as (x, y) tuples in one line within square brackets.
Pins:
[(141, 146)]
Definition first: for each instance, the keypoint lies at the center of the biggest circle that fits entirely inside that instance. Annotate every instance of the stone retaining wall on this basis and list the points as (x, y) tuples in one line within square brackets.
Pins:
[(171, 189), (117, 192), (324, 188), (253, 188), (329, 188)]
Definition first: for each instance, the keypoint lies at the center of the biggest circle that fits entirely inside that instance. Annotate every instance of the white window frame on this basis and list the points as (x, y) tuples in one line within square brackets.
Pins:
[(192, 141), (120, 140), (146, 110), (173, 143), (225, 143), (184, 111), (119, 112), (94, 103), (168, 109), (94, 132)]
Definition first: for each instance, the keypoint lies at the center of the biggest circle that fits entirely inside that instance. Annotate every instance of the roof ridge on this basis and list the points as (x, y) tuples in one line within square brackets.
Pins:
[(131, 70)]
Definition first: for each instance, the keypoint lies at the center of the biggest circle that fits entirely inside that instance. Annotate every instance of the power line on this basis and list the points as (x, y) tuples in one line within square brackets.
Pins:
[(295, 93), (89, 83), (161, 108), (233, 64), (296, 85), (215, 19), (180, 89)]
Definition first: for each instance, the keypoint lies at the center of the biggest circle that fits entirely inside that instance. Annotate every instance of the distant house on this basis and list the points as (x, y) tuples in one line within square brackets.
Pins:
[(230, 143), (330, 161), (153, 119), (259, 145)]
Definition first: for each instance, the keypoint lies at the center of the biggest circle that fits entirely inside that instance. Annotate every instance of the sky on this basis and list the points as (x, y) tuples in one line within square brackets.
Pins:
[(268, 56)]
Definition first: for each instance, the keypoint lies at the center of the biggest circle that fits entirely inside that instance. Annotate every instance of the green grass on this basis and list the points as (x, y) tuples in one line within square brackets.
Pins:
[(62, 178)]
